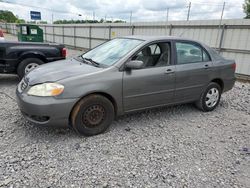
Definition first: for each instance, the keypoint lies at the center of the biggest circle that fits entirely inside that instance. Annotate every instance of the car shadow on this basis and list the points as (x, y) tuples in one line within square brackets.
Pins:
[(9, 79), (121, 125), (132, 120)]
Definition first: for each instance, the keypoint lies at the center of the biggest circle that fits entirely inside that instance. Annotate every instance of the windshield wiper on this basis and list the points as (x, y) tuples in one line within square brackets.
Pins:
[(90, 61)]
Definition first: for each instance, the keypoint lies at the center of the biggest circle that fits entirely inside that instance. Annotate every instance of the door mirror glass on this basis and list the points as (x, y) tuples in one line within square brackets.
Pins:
[(134, 64)]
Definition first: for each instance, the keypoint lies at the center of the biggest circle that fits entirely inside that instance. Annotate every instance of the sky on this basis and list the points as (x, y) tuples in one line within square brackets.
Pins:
[(142, 10)]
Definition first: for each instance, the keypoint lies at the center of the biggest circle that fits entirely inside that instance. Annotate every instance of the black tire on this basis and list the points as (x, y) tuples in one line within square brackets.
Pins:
[(201, 103), (92, 115), (26, 62)]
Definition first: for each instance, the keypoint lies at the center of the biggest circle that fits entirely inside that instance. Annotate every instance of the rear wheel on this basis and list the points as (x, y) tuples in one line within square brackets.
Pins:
[(92, 115), (28, 65), (210, 98)]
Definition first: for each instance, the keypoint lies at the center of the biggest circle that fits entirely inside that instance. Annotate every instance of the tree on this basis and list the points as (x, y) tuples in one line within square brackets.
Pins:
[(20, 21), (43, 22), (246, 8), (7, 16), (119, 21)]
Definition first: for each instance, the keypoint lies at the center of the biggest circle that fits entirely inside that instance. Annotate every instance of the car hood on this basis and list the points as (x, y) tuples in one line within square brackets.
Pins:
[(59, 70)]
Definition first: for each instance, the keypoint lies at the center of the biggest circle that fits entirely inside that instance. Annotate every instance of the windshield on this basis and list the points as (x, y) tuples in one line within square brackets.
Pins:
[(112, 51)]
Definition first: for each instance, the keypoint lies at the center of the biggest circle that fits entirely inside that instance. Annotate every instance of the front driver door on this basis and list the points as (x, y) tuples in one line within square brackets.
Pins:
[(149, 86)]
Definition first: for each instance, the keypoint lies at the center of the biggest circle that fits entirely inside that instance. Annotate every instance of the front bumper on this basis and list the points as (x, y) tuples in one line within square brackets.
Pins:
[(47, 111)]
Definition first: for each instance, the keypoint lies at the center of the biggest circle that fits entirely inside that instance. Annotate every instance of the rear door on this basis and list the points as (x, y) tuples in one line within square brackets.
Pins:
[(193, 69)]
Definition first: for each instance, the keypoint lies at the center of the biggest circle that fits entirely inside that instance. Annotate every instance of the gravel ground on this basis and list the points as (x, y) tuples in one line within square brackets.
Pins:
[(176, 146), (167, 147)]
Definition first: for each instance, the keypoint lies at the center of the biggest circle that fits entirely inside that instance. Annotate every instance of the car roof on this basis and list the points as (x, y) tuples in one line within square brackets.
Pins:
[(154, 38), (151, 38)]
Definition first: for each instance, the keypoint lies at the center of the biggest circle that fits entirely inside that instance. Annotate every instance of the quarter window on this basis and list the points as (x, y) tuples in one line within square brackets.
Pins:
[(190, 53)]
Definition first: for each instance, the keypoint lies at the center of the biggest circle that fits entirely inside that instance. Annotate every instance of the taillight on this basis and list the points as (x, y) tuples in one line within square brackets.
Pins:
[(234, 66), (64, 52)]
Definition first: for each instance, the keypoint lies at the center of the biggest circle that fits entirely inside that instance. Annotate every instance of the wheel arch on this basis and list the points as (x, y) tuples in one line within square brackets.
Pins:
[(106, 95), (32, 55), (220, 82)]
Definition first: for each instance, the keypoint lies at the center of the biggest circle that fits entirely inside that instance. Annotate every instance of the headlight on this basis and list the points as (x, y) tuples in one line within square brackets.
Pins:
[(46, 89)]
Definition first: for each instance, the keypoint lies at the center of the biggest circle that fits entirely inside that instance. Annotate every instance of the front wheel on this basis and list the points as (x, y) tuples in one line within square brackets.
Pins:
[(92, 115), (210, 98)]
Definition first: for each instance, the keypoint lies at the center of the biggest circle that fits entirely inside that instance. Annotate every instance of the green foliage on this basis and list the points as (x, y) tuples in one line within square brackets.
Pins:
[(20, 21), (119, 21), (7, 16), (246, 8), (31, 22), (74, 21), (43, 22), (85, 21)]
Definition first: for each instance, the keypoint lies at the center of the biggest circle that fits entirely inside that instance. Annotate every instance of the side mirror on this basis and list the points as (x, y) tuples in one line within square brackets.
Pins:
[(134, 64)]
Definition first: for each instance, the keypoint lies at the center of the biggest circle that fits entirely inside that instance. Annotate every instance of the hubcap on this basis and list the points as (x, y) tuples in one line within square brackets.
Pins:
[(30, 67), (93, 116), (212, 97)]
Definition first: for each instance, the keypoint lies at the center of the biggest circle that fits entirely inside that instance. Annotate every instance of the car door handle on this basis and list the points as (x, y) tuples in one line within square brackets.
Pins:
[(169, 71), (206, 66)]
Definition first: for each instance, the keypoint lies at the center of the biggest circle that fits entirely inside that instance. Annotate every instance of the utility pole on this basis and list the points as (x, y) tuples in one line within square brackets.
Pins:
[(222, 12), (189, 7), (167, 14), (52, 18), (221, 17), (167, 21), (93, 15), (130, 19)]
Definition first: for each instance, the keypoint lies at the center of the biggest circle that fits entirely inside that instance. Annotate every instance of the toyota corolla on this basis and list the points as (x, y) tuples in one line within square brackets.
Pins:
[(121, 76)]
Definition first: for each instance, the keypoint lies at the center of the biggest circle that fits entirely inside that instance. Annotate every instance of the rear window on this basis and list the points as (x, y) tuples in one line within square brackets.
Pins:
[(190, 53)]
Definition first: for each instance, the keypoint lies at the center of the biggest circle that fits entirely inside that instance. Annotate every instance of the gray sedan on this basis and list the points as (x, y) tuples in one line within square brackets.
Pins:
[(124, 75)]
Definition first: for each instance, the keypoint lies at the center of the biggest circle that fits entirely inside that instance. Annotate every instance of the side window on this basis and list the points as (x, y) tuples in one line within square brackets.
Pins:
[(154, 55), (190, 53), (155, 49), (205, 56)]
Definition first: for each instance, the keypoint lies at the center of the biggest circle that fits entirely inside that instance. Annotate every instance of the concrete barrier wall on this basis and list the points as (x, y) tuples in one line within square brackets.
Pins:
[(231, 38)]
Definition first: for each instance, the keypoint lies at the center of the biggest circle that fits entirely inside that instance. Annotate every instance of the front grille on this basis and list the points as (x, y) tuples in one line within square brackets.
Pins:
[(23, 85)]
